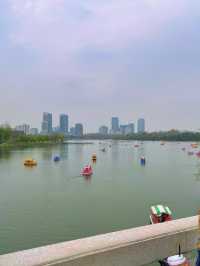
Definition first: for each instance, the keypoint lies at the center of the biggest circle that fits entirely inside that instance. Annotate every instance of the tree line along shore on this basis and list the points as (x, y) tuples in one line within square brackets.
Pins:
[(9, 137)]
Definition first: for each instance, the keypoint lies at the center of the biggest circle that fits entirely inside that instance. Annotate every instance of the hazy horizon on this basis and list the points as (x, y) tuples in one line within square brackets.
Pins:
[(97, 59)]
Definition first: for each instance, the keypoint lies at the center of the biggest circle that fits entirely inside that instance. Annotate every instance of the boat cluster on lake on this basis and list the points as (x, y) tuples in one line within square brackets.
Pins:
[(158, 213)]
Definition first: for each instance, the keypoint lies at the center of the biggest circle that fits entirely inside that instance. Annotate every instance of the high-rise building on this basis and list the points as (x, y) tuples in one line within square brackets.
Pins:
[(78, 130), (141, 125), (130, 128), (127, 129), (47, 123), (64, 123), (114, 125), (123, 129), (23, 128), (72, 131), (103, 130), (34, 131)]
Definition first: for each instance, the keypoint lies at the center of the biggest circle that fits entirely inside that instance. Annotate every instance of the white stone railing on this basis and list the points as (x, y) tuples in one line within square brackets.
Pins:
[(137, 246)]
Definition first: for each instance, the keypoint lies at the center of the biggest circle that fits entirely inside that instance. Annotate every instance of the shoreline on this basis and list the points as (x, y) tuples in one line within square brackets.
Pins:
[(81, 142)]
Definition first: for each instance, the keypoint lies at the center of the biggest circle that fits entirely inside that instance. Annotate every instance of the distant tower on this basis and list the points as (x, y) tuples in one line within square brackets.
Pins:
[(47, 123), (141, 125), (131, 128), (103, 130), (64, 123), (114, 125), (78, 130)]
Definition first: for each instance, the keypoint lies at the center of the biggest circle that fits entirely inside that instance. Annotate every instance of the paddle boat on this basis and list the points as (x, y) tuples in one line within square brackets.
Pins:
[(136, 145), (194, 145), (160, 214), (142, 160), (56, 158), (30, 162), (94, 157), (87, 171)]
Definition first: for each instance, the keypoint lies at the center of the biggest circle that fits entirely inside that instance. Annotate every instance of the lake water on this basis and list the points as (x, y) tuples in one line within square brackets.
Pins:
[(52, 202)]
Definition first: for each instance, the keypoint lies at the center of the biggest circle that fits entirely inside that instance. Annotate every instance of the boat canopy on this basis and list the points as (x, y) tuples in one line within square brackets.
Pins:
[(159, 210)]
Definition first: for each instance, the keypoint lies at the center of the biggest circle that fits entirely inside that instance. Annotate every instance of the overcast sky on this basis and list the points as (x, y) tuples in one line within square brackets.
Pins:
[(94, 59)]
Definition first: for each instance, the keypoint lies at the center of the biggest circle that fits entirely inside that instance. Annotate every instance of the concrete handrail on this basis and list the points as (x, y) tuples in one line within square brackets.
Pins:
[(137, 246)]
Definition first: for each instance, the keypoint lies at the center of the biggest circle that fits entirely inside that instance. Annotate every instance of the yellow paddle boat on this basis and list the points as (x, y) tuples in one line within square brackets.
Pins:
[(94, 157), (30, 162)]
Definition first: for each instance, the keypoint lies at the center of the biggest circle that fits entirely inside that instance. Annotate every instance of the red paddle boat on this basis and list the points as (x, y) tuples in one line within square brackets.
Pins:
[(160, 214), (87, 171)]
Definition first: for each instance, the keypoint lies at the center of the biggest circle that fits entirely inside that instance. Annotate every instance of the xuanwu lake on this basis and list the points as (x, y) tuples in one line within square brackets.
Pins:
[(52, 203)]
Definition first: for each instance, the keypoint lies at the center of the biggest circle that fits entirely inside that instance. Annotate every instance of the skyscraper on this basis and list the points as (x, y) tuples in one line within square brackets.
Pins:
[(141, 125), (127, 129), (72, 131), (78, 130), (103, 130), (64, 123), (47, 123), (114, 125), (123, 129), (130, 128)]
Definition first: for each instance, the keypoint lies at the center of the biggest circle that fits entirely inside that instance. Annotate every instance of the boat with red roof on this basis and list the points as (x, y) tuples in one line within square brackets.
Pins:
[(87, 171)]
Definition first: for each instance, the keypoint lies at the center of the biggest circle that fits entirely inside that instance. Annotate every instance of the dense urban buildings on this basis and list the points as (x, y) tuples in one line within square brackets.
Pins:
[(141, 125), (77, 130), (64, 124), (103, 130), (47, 122), (23, 128)]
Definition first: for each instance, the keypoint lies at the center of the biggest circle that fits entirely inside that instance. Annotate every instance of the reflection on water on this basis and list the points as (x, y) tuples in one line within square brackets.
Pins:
[(197, 173), (5, 154), (64, 151)]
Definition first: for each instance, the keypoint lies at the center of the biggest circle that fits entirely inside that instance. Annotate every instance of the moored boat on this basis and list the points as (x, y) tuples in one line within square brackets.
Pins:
[(87, 171), (160, 214), (30, 162)]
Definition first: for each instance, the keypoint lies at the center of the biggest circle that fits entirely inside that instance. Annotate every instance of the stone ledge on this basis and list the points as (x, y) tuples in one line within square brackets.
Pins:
[(137, 246)]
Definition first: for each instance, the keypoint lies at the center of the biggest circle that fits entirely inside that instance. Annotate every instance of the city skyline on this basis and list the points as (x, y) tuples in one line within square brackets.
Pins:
[(64, 126), (99, 59)]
